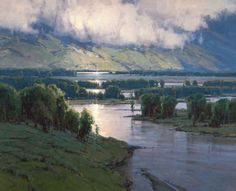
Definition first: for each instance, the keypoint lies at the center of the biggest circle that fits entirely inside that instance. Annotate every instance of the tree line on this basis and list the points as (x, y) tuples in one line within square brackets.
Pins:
[(185, 91), (216, 114), (70, 88), (130, 84), (155, 106), (36, 72), (45, 106)]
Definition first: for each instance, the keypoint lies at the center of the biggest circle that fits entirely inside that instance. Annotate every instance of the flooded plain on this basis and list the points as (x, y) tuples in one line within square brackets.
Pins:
[(192, 161)]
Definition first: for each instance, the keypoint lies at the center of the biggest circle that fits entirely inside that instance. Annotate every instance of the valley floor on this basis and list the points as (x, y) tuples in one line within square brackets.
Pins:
[(36, 161)]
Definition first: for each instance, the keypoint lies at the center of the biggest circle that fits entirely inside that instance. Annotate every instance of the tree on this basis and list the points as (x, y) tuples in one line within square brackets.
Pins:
[(232, 111), (132, 105), (151, 105), (61, 106), (113, 92), (221, 113), (195, 83), (86, 122), (162, 83), (196, 106), (72, 121), (168, 107), (187, 83), (9, 103), (208, 111), (39, 104)]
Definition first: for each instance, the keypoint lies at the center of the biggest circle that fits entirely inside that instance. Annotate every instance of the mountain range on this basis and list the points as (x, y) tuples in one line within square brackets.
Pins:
[(214, 49)]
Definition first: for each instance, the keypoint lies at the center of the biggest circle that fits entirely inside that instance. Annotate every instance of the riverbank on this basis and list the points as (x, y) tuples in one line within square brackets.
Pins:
[(33, 160), (182, 123)]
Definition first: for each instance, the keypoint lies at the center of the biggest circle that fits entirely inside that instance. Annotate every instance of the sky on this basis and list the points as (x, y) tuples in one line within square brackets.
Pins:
[(162, 23)]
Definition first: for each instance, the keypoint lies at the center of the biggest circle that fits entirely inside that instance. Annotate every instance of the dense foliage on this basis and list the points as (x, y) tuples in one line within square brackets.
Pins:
[(9, 103), (152, 105), (113, 92), (88, 84), (216, 114), (36, 72), (220, 83), (185, 91), (43, 105), (70, 88), (196, 106), (130, 84)]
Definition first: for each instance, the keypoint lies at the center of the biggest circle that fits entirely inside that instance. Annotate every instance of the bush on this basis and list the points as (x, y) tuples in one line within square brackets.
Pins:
[(9, 103), (151, 105), (86, 122), (72, 121), (112, 92), (196, 105), (168, 106)]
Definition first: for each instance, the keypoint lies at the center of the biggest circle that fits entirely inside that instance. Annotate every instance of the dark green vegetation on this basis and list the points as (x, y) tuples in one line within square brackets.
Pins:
[(33, 160), (154, 106), (214, 118), (66, 155), (130, 84), (31, 72), (113, 92), (188, 89), (215, 114), (45, 106), (70, 88), (88, 84)]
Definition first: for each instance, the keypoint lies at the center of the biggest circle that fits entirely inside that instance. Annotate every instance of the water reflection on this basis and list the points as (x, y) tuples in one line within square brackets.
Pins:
[(197, 163)]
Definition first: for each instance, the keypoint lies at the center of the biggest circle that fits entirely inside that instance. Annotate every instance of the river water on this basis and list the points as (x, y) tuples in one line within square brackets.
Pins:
[(194, 162)]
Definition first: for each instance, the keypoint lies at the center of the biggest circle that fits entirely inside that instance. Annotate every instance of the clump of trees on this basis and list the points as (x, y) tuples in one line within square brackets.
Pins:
[(196, 105), (130, 84), (45, 106), (113, 92), (152, 105), (216, 114)]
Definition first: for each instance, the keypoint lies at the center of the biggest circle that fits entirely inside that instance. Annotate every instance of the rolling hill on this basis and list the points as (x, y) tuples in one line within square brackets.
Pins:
[(215, 52)]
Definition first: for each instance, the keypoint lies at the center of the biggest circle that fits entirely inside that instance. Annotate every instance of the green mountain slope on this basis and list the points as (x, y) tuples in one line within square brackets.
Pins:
[(216, 53)]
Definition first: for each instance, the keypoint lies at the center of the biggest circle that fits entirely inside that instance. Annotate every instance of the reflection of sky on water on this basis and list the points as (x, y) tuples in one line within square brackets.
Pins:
[(196, 162)]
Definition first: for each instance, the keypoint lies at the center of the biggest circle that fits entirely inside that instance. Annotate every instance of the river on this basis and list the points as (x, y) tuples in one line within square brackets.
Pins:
[(194, 162)]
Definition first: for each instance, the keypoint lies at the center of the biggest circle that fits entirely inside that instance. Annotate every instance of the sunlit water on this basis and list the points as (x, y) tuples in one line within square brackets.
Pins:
[(195, 162)]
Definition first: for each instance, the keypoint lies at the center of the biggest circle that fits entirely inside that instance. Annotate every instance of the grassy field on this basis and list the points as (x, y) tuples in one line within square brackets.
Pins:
[(31, 160), (182, 123)]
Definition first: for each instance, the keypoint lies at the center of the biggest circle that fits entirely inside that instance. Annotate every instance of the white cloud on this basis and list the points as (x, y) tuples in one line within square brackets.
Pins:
[(163, 23)]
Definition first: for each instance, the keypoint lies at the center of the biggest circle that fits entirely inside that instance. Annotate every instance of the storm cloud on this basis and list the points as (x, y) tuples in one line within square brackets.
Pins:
[(162, 23)]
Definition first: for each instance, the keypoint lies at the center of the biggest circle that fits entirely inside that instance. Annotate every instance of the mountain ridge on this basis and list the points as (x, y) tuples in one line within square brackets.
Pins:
[(215, 51)]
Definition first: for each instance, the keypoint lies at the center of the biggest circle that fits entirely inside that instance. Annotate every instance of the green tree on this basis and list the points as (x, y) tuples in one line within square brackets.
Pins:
[(195, 83), (72, 121), (168, 106), (187, 83), (221, 113), (86, 122), (196, 106), (232, 111), (61, 106), (162, 83), (208, 111), (9, 103), (113, 92), (132, 105), (39, 104), (151, 105)]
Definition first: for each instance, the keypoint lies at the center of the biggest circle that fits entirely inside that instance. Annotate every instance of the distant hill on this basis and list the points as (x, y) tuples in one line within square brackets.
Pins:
[(213, 50)]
